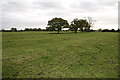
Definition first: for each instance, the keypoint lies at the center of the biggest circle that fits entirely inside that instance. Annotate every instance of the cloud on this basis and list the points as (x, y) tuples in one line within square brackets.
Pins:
[(46, 5), (36, 13)]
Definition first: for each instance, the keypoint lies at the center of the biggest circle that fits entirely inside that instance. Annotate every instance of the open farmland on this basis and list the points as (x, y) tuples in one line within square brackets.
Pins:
[(66, 55)]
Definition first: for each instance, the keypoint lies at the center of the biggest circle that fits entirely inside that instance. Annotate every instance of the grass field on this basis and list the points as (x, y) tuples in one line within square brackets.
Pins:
[(67, 55)]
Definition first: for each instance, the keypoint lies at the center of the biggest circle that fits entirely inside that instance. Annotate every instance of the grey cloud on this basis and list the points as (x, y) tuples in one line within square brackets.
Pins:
[(91, 6), (15, 7), (47, 5), (38, 13), (15, 22)]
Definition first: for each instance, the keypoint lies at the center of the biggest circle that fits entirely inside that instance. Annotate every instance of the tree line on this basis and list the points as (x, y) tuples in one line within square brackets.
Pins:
[(49, 29), (57, 24)]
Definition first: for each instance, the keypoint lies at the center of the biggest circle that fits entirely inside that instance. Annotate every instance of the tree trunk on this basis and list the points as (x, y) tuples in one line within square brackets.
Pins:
[(75, 30), (82, 29), (58, 31)]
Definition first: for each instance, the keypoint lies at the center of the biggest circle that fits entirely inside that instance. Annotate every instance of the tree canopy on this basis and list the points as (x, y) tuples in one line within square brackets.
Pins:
[(78, 23), (83, 24), (57, 23)]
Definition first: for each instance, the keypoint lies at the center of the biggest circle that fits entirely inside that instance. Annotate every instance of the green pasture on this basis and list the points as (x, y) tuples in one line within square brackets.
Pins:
[(42, 54)]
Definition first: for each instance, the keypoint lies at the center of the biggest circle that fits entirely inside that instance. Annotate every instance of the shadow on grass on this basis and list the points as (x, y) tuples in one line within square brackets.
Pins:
[(68, 32), (57, 33)]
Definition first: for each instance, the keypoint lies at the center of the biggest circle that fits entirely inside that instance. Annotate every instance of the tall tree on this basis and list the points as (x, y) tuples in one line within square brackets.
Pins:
[(89, 23), (83, 23), (75, 24), (57, 23), (78, 23)]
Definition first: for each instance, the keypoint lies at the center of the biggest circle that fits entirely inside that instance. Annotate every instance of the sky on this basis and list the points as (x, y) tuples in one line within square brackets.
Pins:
[(36, 13)]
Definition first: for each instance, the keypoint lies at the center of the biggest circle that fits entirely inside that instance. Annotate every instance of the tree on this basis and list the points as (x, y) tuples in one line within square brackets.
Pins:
[(75, 24), (99, 30), (50, 29), (57, 23), (78, 23), (83, 24), (118, 30), (39, 29), (13, 29), (105, 30), (89, 23), (3, 30), (71, 28), (112, 30), (26, 29)]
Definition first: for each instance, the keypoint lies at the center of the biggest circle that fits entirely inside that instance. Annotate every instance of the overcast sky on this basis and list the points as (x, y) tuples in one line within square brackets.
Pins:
[(36, 13)]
